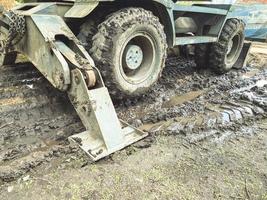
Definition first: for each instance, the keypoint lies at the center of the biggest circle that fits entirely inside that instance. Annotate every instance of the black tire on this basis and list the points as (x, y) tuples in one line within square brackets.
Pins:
[(87, 30), (9, 59), (121, 32), (225, 52), (202, 56)]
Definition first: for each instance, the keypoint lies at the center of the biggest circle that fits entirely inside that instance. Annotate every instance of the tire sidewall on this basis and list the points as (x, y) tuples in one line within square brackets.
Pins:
[(239, 32)]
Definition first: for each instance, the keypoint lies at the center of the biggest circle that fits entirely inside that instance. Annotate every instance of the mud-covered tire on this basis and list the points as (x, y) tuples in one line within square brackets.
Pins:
[(130, 28), (225, 52), (89, 27), (87, 30), (201, 56)]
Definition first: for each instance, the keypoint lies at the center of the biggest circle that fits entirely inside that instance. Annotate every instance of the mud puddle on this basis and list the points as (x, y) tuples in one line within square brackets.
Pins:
[(181, 99)]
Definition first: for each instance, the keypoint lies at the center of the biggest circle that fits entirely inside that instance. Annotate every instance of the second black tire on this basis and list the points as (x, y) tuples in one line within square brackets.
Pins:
[(130, 50), (224, 53)]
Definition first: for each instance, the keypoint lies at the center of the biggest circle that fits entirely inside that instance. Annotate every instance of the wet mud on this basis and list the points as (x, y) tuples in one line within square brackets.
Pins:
[(197, 106)]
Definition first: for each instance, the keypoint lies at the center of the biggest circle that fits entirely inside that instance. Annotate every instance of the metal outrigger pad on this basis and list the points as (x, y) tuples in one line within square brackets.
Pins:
[(96, 147), (105, 133)]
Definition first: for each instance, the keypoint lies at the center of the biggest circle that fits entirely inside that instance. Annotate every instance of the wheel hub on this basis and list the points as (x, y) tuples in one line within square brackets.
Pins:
[(134, 56)]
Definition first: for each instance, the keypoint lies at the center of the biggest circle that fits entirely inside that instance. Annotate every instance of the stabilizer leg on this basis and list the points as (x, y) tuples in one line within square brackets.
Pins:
[(105, 133)]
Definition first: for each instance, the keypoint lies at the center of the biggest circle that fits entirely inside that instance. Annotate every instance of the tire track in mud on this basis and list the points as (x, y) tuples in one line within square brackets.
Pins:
[(208, 106), (36, 119)]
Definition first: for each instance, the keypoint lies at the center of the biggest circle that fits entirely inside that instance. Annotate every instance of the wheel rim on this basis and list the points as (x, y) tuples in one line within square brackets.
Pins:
[(137, 58), (233, 49)]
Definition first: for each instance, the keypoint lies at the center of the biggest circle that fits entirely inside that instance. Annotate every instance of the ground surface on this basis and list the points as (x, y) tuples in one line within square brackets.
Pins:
[(208, 138)]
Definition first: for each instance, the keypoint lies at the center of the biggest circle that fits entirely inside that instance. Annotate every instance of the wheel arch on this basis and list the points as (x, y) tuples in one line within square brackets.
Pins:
[(161, 9)]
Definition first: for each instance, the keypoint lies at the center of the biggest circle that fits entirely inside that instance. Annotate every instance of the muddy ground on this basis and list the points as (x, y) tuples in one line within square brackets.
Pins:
[(207, 138)]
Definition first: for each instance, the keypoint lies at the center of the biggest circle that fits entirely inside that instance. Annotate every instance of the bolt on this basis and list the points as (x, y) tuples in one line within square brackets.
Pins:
[(100, 152)]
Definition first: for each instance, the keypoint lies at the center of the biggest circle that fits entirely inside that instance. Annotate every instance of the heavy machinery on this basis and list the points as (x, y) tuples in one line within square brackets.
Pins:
[(91, 49)]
